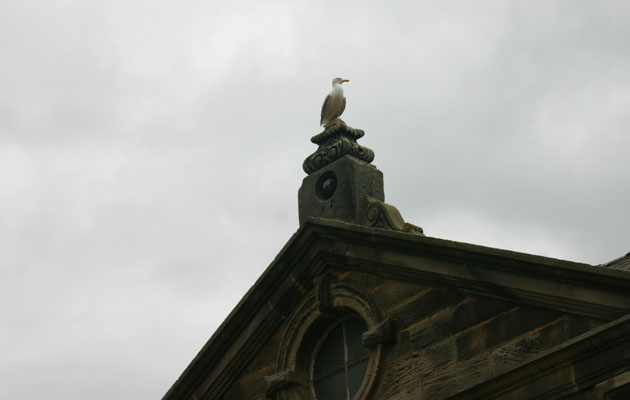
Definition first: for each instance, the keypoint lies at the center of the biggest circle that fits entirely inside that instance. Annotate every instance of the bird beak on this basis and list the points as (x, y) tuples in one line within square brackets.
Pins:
[(345, 80)]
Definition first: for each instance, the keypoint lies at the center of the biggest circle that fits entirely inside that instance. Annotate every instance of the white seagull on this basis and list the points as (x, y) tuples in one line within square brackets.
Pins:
[(334, 104)]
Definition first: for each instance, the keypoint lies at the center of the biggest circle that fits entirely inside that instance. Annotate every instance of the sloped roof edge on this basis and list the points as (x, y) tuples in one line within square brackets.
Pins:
[(566, 368), (321, 243), (621, 263)]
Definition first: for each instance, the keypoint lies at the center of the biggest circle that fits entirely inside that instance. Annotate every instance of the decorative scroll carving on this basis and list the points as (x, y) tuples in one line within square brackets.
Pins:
[(378, 216), (336, 141), (385, 216)]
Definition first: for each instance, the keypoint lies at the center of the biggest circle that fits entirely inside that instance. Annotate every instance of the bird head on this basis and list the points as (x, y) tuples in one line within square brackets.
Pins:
[(339, 81)]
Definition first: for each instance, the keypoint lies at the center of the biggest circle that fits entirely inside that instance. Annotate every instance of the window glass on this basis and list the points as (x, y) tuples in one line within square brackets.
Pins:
[(331, 355), (341, 361), (356, 374), (354, 335), (329, 386)]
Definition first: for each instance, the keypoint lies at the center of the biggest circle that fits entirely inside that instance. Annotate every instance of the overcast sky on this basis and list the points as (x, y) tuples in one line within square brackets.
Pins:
[(151, 152)]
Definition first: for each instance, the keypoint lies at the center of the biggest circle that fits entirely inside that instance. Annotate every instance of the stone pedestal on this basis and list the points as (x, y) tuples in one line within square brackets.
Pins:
[(342, 185), (340, 191)]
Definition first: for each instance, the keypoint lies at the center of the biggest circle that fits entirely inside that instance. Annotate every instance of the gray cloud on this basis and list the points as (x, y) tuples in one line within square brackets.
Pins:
[(150, 156)]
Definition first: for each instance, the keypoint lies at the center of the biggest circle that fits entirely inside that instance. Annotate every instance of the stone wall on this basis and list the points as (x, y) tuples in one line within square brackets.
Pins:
[(446, 341)]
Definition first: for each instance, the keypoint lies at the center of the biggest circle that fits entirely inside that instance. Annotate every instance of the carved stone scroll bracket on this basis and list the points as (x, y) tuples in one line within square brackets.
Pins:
[(286, 385), (323, 293), (384, 332), (385, 216)]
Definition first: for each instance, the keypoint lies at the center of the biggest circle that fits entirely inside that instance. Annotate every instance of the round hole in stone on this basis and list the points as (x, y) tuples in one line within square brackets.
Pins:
[(326, 185)]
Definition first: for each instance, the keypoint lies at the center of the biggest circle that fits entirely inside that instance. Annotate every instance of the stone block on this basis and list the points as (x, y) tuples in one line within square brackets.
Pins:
[(340, 191), (501, 329), (425, 306), (446, 382), (526, 347)]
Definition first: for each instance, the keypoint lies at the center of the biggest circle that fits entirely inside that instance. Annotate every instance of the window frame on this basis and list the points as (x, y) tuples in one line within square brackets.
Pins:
[(304, 329), (346, 364)]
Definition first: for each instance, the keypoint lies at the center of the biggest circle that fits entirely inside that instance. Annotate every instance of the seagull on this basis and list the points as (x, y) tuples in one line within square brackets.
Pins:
[(334, 104)]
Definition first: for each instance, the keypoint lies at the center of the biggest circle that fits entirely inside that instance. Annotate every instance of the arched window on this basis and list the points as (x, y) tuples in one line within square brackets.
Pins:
[(332, 354)]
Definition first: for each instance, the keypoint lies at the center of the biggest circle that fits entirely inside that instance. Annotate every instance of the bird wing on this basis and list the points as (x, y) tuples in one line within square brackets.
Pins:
[(326, 101), (343, 107)]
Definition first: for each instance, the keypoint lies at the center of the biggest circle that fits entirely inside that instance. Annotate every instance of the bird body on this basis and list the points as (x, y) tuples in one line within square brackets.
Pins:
[(334, 104)]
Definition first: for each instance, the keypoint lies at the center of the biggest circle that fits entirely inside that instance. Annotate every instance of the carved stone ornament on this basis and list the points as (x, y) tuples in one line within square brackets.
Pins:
[(384, 332), (385, 216), (336, 141), (286, 384), (322, 292), (305, 328)]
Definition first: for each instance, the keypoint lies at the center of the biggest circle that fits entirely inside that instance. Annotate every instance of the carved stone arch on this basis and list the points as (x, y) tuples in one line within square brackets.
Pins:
[(305, 326)]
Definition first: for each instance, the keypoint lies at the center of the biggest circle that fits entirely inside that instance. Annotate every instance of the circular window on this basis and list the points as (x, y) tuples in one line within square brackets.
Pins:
[(322, 356), (340, 361)]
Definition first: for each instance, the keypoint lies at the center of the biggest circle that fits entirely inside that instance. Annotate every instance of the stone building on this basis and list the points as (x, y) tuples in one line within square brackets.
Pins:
[(360, 304)]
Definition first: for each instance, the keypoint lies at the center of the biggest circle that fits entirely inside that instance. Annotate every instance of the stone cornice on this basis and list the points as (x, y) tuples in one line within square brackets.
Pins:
[(327, 244)]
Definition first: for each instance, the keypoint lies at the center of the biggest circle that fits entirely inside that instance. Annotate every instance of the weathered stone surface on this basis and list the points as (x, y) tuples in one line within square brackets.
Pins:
[(285, 381), (389, 293), (500, 329), (385, 216), (384, 332), (477, 310), (471, 322), (336, 141), (428, 359), (251, 386), (424, 306), (342, 185), (340, 191), (322, 291), (455, 378), (527, 346), (402, 379), (407, 370), (362, 280), (450, 343), (433, 330)]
